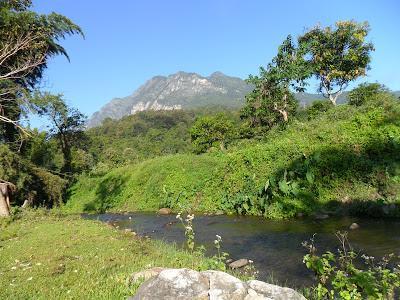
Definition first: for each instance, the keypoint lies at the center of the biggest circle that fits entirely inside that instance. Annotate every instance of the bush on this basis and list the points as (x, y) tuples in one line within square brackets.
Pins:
[(318, 107), (365, 91), (344, 276)]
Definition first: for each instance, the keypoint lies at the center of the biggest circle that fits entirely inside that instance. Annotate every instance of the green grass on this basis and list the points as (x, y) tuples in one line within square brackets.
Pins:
[(358, 150), (48, 256)]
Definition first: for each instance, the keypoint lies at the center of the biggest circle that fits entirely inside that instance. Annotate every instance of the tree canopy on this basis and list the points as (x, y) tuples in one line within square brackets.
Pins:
[(27, 41), (337, 55)]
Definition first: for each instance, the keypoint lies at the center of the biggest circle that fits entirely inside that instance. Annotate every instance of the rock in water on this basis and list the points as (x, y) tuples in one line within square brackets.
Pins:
[(164, 211), (179, 284), (240, 263), (354, 226), (321, 216)]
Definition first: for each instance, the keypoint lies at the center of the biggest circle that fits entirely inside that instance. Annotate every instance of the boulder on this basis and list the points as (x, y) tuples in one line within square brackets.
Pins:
[(165, 211), (240, 263), (272, 291), (354, 226), (171, 284), (225, 286)]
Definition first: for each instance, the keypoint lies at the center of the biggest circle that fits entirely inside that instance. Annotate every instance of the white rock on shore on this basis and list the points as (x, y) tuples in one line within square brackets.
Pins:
[(182, 284)]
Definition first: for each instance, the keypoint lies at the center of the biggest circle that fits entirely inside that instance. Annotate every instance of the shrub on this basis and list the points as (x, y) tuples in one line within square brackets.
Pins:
[(365, 91), (318, 107), (344, 276)]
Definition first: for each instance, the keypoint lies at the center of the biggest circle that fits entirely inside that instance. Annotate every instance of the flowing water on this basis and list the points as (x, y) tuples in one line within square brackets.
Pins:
[(274, 246)]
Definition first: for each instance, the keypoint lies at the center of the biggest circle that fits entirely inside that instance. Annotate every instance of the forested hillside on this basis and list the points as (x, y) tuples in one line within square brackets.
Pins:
[(345, 158)]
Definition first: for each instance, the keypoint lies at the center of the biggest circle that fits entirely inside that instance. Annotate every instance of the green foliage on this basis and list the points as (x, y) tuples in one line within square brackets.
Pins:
[(210, 131), (28, 40), (35, 184), (343, 276), (346, 159), (271, 102), (337, 55), (191, 180), (67, 127), (40, 35), (318, 107), (147, 135), (364, 92)]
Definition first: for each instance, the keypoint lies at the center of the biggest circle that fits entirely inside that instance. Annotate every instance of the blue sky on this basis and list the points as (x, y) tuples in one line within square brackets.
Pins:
[(128, 42)]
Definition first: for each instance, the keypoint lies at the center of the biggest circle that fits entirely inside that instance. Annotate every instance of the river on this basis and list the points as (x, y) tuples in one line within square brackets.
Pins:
[(274, 246)]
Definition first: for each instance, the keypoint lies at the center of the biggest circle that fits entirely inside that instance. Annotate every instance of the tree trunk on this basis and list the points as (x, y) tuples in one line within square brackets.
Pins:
[(4, 200), (284, 114), (333, 99), (222, 145)]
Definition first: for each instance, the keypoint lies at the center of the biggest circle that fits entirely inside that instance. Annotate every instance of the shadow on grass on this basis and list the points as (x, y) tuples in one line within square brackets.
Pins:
[(106, 193)]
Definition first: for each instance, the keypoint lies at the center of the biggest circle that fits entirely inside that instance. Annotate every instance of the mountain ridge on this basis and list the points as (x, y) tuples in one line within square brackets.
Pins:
[(185, 90)]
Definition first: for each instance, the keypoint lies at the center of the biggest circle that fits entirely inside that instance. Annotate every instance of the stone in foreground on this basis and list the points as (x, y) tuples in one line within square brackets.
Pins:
[(182, 284), (176, 284)]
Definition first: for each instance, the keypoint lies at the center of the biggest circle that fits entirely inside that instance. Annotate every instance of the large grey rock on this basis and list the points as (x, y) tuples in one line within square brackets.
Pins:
[(274, 291), (224, 286), (173, 284), (214, 285)]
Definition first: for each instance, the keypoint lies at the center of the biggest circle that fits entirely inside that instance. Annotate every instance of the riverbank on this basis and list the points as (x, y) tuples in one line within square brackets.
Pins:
[(344, 160), (44, 255)]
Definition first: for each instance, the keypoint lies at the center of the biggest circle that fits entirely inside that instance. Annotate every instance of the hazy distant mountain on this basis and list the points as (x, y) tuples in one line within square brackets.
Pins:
[(184, 91), (177, 91)]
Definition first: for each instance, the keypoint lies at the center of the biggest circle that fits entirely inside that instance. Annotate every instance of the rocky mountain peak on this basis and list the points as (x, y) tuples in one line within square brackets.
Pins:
[(176, 91)]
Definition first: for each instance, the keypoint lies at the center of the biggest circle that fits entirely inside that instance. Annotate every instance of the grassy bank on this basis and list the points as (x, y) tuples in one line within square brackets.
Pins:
[(346, 158), (45, 256)]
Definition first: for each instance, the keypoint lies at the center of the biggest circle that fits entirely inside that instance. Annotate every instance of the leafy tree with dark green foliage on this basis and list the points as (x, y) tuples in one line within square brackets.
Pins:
[(210, 131), (272, 101), (27, 41), (365, 91), (337, 55), (318, 107), (67, 126)]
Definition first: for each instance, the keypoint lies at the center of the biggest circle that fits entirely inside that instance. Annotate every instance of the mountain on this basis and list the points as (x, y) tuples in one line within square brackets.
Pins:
[(177, 91), (185, 91)]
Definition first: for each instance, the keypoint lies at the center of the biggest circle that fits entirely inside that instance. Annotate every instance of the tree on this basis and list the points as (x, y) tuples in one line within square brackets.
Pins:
[(27, 41), (272, 101), (209, 131), (337, 55), (67, 125), (365, 91)]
